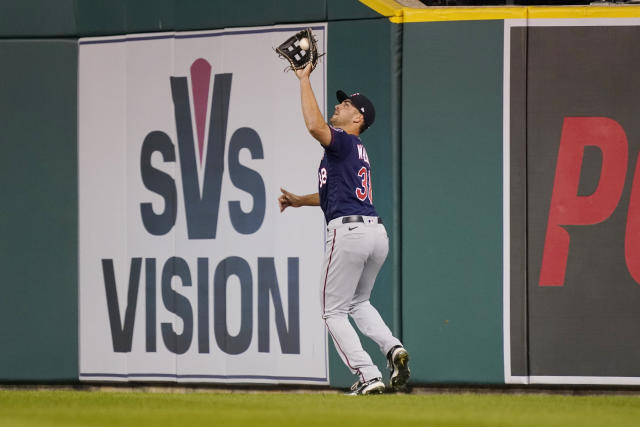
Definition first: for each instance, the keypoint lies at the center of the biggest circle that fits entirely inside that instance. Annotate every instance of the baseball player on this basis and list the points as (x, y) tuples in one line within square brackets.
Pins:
[(357, 242)]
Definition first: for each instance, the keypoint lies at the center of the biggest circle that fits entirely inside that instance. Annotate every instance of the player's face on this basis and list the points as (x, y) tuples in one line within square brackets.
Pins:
[(344, 113)]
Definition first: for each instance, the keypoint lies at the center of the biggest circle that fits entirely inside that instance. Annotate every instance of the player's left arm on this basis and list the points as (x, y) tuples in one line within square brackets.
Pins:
[(313, 119), (287, 199)]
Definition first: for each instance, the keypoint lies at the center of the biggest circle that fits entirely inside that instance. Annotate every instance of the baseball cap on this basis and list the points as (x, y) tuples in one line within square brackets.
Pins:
[(363, 105)]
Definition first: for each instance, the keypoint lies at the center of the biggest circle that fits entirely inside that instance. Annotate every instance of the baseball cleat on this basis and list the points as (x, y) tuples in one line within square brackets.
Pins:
[(373, 386), (398, 362)]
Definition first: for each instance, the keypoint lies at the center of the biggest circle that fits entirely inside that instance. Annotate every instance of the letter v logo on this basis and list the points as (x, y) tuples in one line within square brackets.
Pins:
[(201, 205)]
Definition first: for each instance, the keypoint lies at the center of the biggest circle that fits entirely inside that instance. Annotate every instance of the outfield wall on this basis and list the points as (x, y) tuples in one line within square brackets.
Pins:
[(503, 136), (581, 150), (46, 346), (452, 199), (38, 307)]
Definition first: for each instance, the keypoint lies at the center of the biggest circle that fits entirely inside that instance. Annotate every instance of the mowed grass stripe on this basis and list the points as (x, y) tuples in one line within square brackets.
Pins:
[(79, 408)]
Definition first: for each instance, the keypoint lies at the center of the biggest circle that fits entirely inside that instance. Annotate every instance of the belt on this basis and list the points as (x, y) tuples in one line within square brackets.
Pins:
[(356, 218)]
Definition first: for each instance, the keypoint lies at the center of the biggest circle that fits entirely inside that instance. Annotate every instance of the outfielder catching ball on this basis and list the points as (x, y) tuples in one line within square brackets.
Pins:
[(357, 242)]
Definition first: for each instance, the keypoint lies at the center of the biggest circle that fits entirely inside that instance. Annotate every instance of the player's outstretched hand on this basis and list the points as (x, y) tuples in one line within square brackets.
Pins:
[(304, 72), (288, 199)]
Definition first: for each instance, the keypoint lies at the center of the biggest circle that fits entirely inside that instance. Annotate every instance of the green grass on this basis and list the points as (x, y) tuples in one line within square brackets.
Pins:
[(92, 408)]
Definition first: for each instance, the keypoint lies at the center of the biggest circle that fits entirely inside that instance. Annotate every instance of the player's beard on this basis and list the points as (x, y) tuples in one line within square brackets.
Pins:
[(335, 120), (341, 119)]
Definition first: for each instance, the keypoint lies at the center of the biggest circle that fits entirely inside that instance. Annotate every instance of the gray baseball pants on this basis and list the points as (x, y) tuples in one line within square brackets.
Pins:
[(354, 254)]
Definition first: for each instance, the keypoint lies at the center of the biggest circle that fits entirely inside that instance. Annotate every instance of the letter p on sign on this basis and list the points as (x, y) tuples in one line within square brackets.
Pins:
[(567, 207)]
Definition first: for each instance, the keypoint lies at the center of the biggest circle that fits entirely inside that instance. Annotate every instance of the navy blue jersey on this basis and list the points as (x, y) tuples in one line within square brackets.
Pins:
[(344, 177)]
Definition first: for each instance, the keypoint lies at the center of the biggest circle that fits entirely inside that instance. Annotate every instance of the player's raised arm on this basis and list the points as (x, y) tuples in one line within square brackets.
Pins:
[(301, 51), (313, 118)]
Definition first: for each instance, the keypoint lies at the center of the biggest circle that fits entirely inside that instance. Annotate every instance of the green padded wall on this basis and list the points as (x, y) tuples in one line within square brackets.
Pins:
[(359, 59), (452, 200), (38, 217), (39, 308), (46, 18)]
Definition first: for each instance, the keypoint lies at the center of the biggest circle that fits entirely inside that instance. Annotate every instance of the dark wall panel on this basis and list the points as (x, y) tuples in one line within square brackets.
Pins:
[(584, 299), (38, 215), (518, 327), (37, 18)]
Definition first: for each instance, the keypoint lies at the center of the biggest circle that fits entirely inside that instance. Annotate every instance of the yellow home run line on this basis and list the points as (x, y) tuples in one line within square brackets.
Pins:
[(399, 14)]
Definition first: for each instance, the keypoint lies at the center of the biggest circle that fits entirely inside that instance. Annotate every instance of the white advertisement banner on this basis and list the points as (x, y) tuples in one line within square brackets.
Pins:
[(188, 270)]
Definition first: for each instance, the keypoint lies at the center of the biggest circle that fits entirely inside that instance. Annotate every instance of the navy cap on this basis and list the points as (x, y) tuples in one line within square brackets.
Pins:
[(363, 105)]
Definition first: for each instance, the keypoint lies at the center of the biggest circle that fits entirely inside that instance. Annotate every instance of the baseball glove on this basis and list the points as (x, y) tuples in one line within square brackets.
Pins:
[(300, 55)]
